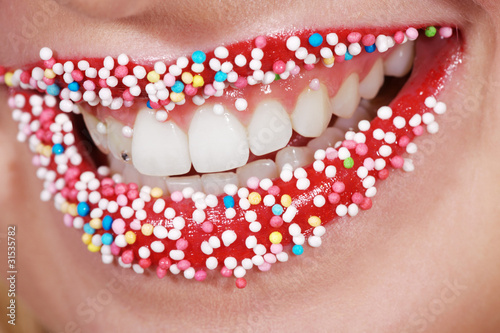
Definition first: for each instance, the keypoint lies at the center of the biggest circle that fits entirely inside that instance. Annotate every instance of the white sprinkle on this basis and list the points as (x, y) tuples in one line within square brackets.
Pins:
[(411, 148), (341, 210), (45, 53), (241, 104), (319, 201), (430, 102), (293, 43), (259, 250), (269, 200), (240, 60), (144, 252), (344, 153), (206, 248), (362, 172), (255, 226), (353, 209), (332, 39), (160, 232), (330, 171), (199, 216), (390, 137), (228, 237), (440, 108), (174, 234), (126, 212), (230, 189), (380, 164), (364, 125), (257, 54), (368, 182), (289, 214), (247, 263), (251, 242), (370, 193), (300, 173), (433, 128), (326, 53), (415, 121), (286, 175), (189, 273), (250, 216), (385, 151), (301, 53), (257, 260), (294, 229), (239, 272), (179, 223), (314, 241), (221, 52), (384, 112), (320, 154), (214, 242), (123, 59), (340, 49), (399, 122), (428, 118), (354, 49), (182, 62), (169, 213), (176, 254), (211, 263), (378, 134), (319, 231), (159, 206), (265, 184), (408, 165), (303, 183), (230, 262), (381, 43), (109, 63), (318, 166)]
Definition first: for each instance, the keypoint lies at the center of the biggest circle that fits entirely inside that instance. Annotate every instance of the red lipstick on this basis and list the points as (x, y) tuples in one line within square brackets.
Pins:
[(258, 225)]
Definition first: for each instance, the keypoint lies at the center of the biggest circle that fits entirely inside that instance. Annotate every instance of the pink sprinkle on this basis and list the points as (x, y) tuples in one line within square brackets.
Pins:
[(241, 283), (115, 249), (265, 266), (338, 187), (276, 248), (164, 263), (49, 63), (183, 265), (366, 204), (419, 130), (68, 220), (253, 183), (399, 37), (412, 33), (368, 40), (190, 90), (48, 81), (404, 141), (349, 144), (161, 272), (295, 70), (354, 37), (121, 200), (369, 163), (270, 258), (209, 90), (445, 32), (25, 77), (314, 84), (12, 103), (120, 188), (279, 67), (274, 190), (397, 162), (133, 186), (357, 198), (331, 153), (200, 275), (154, 105), (361, 149), (309, 67), (102, 83), (121, 71), (107, 191), (36, 160), (181, 244), (77, 75), (241, 83), (127, 96), (145, 263), (132, 194), (32, 82), (176, 196), (135, 225), (226, 271), (26, 129), (164, 102), (260, 42), (276, 221), (127, 256), (169, 80), (334, 198), (383, 174), (207, 227)]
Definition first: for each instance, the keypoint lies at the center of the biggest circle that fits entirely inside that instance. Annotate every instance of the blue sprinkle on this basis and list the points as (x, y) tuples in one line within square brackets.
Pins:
[(347, 56), (57, 149), (315, 40), (178, 87), (370, 48), (148, 104), (88, 229), (73, 86), (220, 76), (107, 221), (277, 209), (107, 239), (297, 250), (228, 201), (53, 90), (83, 209), (198, 57)]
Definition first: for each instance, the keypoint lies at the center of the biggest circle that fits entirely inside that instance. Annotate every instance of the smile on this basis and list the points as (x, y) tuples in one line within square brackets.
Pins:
[(231, 159)]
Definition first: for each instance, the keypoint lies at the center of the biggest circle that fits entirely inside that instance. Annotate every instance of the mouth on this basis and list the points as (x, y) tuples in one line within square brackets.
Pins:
[(232, 159)]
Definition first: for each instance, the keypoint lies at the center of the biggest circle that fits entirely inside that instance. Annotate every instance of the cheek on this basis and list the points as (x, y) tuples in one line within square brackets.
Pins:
[(107, 9)]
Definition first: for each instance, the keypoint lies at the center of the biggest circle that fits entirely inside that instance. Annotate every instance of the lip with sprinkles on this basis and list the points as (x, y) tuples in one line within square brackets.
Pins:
[(190, 232)]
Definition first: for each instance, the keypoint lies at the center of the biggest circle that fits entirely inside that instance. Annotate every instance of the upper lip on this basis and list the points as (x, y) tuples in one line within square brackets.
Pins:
[(226, 228)]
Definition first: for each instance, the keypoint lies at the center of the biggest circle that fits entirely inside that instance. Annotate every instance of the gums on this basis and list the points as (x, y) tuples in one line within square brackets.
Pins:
[(256, 225)]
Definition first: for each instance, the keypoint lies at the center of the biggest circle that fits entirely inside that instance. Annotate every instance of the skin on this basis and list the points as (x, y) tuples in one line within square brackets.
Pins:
[(424, 258)]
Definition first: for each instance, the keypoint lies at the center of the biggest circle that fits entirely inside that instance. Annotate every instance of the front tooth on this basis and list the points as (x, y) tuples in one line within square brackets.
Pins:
[(217, 142), (260, 169), (312, 112), (159, 149), (400, 62), (92, 123), (270, 128), (295, 156), (153, 181), (344, 124), (369, 87), (347, 98), (131, 175), (328, 139), (214, 183), (118, 145), (179, 183)]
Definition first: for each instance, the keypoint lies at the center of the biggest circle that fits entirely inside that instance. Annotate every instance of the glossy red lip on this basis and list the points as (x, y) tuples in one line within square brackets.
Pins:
[(248, 226)]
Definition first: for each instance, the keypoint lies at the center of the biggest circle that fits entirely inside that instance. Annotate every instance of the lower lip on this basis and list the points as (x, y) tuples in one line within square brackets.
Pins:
[(343, 195)]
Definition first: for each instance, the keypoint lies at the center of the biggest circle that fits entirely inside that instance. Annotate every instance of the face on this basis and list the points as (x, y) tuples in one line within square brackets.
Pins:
[(424, 254)]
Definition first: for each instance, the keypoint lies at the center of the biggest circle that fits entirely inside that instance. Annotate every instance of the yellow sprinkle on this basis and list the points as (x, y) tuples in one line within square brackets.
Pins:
[(187, 77), (72, 210), (275, 237), (153, 77), (254, 198), (329, 61), (47, 151), (198, 81), (156, 192), (39, 148), (130, 237), (86, 238), (96, 223), (64, 207), (49, 73), (147, 229), (93, 248), (286, 200), (314, 221), (8, 79), (176, 97)]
